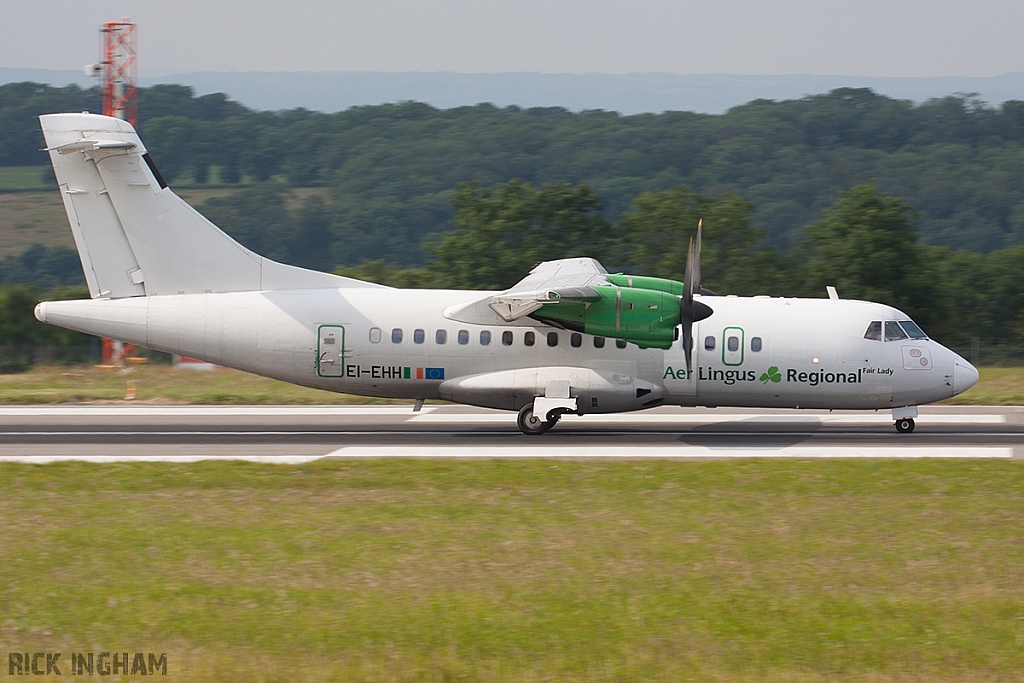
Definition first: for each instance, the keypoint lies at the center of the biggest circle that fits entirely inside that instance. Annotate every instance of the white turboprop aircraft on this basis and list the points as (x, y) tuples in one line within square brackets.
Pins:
[(569, 338)]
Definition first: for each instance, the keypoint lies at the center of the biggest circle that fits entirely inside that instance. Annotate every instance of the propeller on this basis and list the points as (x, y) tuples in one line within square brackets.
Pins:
[(691, 311)]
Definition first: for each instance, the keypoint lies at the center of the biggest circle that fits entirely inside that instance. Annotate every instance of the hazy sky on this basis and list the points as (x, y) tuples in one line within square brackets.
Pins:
[(854, 37)]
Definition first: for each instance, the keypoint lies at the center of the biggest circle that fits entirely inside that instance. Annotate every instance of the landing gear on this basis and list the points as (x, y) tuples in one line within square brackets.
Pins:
[(905, 425), (531, 424)]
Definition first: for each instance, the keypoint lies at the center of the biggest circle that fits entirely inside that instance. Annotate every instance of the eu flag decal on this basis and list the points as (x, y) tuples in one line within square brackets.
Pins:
[(433, 373)]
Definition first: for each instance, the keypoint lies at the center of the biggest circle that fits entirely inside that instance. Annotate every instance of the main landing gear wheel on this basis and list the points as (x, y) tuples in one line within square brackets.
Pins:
[(531, 424), (905, 426)]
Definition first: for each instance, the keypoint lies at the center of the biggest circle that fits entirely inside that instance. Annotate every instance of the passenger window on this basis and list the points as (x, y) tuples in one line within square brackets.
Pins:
[(529, 338), (506, 338), (576, 339), (463, 336), (911, 328), (733, 343), (893, 331), (709, 343), (874, 331), (598, 342), (441, 337), (620, 343), (418, 336), (552, 339), (485, 337), (396, 336), (755, 344), (374, 335)]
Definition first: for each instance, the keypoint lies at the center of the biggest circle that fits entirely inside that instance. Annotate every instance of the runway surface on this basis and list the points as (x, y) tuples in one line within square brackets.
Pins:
[(291, 434)]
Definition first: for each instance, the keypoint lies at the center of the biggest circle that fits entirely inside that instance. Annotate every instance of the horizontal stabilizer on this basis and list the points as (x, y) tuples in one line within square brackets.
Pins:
[(91, 146)]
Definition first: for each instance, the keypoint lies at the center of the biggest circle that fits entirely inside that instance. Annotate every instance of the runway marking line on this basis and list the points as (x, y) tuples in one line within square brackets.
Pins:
[(446, 414), (194, 411), (662, 418), (549, 451), (681, 452)]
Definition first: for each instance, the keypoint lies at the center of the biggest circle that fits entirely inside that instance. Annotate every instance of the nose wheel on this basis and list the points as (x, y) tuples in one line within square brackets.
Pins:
[(905, 426), (531, 424)]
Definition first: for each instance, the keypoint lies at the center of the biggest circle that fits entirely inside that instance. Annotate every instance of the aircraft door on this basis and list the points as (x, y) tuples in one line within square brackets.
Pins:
[(331, 351), (732, 346)]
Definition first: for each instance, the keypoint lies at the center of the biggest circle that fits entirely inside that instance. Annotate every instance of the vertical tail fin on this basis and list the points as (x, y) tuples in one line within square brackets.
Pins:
[(135, 236)]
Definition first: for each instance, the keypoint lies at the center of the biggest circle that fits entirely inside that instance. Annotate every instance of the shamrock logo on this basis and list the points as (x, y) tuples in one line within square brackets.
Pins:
[(773, 374)]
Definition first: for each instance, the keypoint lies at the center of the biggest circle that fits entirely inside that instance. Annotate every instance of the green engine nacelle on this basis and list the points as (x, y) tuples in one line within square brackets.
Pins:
[(658, 284), (643, 316)]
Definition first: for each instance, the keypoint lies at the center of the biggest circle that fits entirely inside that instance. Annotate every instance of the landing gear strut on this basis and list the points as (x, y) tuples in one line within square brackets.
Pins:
[(531, 424), (905, 425)]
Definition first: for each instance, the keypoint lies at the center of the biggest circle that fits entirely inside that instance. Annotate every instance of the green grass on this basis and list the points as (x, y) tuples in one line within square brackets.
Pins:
[(161, 384), (28, 217), (995, 387), (523, 571), (24, 178)]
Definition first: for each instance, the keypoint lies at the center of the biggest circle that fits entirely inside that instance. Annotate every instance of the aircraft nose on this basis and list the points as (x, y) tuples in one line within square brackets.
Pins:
[(965, 375)]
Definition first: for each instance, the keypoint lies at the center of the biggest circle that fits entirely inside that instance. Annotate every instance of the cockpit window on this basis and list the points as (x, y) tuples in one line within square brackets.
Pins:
[(874, 332), (893, 331), (913, 330)]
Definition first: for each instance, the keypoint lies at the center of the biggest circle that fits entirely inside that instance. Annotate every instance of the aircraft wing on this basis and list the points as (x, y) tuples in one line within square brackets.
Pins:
[(564, 280)]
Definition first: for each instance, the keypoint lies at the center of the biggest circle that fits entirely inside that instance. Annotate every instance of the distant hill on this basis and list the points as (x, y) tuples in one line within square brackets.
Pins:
[(385, 174), (626, 93)]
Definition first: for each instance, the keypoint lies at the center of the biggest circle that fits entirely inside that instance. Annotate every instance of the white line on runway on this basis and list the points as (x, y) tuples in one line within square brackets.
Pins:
[(680, 452), (47, 459), (555, 452), (193, 411), (682, 418), (748, 434), (456, 415)]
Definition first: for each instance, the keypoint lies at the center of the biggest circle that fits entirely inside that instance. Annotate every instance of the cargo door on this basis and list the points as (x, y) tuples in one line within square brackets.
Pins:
[(331, 351)]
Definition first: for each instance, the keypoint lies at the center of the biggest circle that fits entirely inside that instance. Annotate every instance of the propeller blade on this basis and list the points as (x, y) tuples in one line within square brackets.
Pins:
[(696, 257), (688, 343), (691, 311), (688, 275)]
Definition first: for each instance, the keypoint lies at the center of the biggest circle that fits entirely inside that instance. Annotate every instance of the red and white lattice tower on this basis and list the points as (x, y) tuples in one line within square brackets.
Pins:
[(120, 70)]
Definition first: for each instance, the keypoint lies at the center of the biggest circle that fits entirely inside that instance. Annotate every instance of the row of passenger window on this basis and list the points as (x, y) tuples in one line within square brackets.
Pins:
[(733, 343), (894, 331), (507, 338)]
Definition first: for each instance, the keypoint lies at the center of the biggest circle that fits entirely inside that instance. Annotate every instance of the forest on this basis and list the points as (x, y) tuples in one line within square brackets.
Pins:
[(390, 170), (920, 206)]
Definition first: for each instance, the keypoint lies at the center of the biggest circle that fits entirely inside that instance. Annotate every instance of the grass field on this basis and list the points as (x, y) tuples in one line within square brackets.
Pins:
[(996, 386), (523, 571), (24, 178), (163, 383), (160, 384), (28, 217)]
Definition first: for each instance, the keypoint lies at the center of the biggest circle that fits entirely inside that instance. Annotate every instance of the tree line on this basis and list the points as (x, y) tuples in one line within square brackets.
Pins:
[(867, 245), (390, 171)]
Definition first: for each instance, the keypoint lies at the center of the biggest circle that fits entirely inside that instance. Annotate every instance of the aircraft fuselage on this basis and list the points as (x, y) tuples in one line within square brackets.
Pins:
[(760, 351)]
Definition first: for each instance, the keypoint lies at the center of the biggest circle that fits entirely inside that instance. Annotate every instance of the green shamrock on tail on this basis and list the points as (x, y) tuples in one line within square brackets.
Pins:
[(773, 374)]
